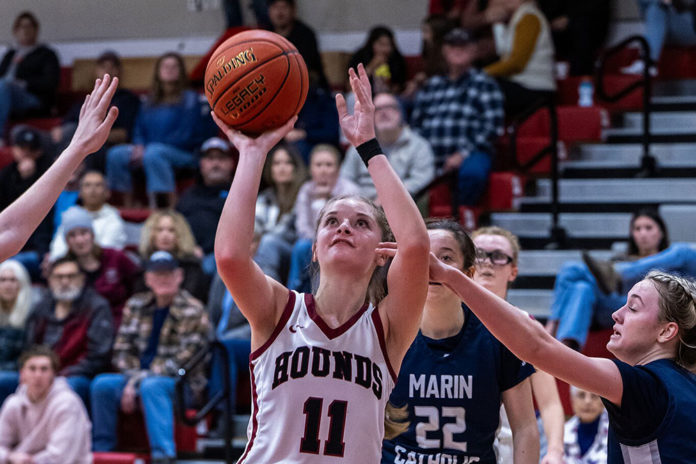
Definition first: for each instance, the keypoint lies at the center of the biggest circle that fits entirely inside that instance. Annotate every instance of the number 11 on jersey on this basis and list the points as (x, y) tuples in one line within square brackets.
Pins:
[(310, 442)]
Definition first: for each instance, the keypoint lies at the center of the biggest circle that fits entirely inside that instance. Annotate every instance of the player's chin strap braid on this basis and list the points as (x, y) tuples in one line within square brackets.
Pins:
[(369, 150)]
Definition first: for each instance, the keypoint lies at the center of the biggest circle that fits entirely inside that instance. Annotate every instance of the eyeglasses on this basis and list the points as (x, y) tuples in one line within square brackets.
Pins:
[(496, 257)]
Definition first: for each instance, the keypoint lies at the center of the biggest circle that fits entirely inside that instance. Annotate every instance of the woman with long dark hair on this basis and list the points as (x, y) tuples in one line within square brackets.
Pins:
[(384, 63), (578, 299)]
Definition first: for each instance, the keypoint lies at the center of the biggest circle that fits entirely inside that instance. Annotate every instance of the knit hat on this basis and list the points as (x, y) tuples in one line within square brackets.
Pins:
[(76, 217)]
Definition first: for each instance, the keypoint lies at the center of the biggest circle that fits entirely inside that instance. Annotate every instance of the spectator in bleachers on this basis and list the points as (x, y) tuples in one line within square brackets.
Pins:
[(577, 298), (235, 18), (496, 268), (409, 154), (127, 103), (282, 15), (68, 197), (73, 320), (317, 122), (15, 304), (202, 203), (30, 162), (384, 63), (44, 421), (586, 433), (666, 21), (433, 29), (460, 114), (284, 172), (168, 230), (526, 68), (170, 126), (29, 72), (161, 330), (324, 183), (108, 226), (579, 29), (109, 271)]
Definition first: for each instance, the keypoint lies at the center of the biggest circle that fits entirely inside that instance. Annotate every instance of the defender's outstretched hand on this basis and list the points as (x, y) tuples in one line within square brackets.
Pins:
[(261, 144), (437, 269), (360, 126), (96, 117)]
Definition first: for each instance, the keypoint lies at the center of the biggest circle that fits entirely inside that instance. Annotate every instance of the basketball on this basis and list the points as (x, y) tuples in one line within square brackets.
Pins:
[(256, 81)]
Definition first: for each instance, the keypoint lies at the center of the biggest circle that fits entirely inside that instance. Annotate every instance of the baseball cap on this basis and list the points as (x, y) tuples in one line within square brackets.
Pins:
[(76, 217), (26, 137), (458, 36), (161, 261), (215, 143)]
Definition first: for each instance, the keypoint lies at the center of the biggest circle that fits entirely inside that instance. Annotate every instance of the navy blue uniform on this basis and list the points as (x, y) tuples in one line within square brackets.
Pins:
[(656, 422), (453, 390)]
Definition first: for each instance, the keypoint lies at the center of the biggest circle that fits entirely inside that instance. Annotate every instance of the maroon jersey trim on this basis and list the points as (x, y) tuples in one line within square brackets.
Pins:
[(377, 321), (328, 331), (254, 418), (287, 312)]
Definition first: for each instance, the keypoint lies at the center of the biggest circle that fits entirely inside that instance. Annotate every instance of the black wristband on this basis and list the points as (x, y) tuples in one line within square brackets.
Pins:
[(369, 150)]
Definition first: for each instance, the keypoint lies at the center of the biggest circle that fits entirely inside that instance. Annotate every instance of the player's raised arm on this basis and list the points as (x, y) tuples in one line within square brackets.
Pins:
[(19, 220), (257, 296), (408, 275), (527, 339)]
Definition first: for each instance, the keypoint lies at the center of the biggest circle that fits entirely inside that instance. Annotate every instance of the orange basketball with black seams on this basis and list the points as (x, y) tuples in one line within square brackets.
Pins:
[(255, 81)]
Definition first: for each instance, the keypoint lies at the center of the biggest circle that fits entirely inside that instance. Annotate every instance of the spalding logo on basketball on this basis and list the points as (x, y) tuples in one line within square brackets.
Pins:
[(255, 81)]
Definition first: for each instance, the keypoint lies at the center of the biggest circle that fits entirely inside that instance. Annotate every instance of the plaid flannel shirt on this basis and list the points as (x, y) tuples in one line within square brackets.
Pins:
[(184, 332), (461, 116)]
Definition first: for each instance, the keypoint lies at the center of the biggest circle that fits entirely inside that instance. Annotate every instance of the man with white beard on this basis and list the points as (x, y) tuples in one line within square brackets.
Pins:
[(75, 321)]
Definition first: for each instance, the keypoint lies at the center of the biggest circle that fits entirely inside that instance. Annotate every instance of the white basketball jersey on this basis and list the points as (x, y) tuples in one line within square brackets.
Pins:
[(318, 394)]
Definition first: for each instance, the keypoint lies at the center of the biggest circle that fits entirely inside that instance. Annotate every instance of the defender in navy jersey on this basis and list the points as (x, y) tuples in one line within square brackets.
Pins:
[(454, 376), (323, 365), (649, 392)]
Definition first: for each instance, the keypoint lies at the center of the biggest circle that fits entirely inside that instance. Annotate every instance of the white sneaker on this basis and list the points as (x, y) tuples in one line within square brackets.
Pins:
[(637, 67)]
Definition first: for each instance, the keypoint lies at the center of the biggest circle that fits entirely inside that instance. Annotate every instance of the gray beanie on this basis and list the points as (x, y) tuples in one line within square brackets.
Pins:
[(76, 217)]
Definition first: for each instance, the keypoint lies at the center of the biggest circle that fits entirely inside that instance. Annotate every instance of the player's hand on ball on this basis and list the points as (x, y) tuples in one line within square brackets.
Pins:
[(360, 126), (258, 146), (96, 118)]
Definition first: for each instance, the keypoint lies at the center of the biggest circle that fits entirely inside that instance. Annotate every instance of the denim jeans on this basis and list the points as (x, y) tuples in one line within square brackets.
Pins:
[(157, 399), (301, 258), (677, 259), (578, 301), (14, 100), (664, 24), (9, 381), (273, 256), (238, 351), (159, 161), (472, 177)]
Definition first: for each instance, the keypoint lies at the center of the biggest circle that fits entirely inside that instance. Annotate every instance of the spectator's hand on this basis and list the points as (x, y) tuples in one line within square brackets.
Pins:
[(359, 127), (198, 252), (296, 134), (454, 161), (56, 134), (19, 458), (259, 146), (375, 62), (128, 398), (559, 24), (137, 154), (26, 167), (553, 457), (96, 117)]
